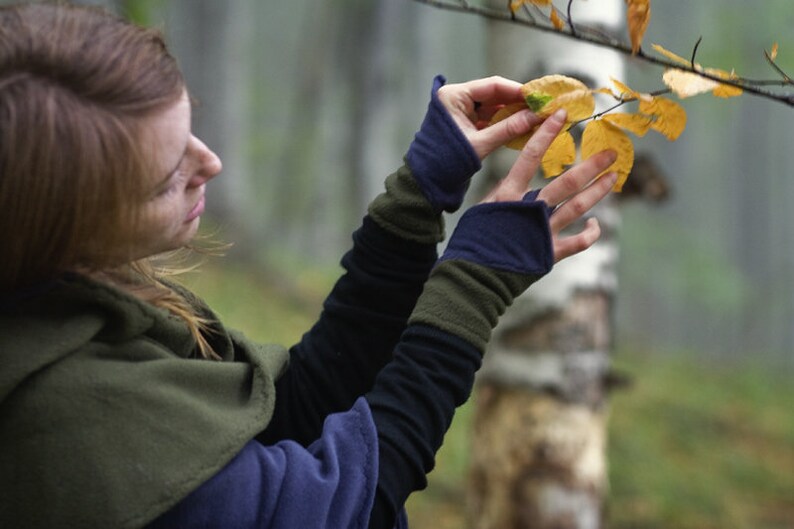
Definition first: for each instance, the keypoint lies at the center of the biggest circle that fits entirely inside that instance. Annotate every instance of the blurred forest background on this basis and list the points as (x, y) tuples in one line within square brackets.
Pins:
[(310, 106)]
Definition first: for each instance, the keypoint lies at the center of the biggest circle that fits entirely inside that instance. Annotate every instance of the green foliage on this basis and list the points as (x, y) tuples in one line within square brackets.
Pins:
[(256, 304), (692, 446), (700, 446)]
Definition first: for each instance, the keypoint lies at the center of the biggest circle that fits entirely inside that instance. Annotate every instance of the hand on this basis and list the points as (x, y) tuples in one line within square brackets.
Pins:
[(472, 105), (572, 194)]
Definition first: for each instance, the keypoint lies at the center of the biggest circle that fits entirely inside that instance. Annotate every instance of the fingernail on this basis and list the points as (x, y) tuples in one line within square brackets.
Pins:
[(559, 115), (611, 156)]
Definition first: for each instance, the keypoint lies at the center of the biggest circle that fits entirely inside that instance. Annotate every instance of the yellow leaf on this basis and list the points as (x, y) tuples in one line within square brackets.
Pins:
[(605, 91), (773, 53), (635, 123), (504, 112), (672, 56), (687, 84), (724, 90), (515, 5), (561, 152), (556, 21), (623, 89), (669, 116), (600, 135), (551, 92), (638, 14), (579, 105)]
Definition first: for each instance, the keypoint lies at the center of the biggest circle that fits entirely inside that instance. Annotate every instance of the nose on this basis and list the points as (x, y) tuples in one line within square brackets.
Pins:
[(209, 165)]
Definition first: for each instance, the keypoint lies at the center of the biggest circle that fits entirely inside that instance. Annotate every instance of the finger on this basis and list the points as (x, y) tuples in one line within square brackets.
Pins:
[(573, 244), (486, 112), (516, 183), (573, 180), (494, 90), (490, 138), (582, 202)]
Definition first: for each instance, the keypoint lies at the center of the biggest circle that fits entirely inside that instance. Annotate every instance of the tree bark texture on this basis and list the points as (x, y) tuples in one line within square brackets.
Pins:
[(539, 440)]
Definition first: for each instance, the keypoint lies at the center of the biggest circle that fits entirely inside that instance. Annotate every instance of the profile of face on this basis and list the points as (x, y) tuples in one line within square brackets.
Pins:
[(171, 215)]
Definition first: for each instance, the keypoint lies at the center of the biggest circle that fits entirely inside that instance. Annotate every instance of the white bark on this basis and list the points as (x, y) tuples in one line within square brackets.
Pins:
[(540, 431)]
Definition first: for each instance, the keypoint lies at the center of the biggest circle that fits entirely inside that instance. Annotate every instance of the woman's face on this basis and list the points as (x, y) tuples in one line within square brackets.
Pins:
[(184, 165)]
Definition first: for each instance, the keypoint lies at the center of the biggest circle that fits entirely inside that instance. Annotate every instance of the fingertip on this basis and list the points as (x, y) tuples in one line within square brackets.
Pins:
[(559, 116), (611, 155), (591, 233)]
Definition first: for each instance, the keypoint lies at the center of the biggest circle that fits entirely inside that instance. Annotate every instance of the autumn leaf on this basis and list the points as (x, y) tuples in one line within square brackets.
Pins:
[(600, 135), (638, 14), (628, 94), (548, 93), (561, 152), (722, 89), (579, 105), (503, 113), (669, 118), (638, 124), (687, 84), (515, 5), (556, 21), (670, 55), (773, 53)]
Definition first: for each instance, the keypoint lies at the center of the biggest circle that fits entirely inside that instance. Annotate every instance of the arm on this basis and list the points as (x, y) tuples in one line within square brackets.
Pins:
[(498, 249), (393, 253)]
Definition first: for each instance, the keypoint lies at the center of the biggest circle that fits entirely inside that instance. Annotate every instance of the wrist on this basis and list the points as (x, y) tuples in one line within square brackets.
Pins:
[(466, 299), (441, 158)]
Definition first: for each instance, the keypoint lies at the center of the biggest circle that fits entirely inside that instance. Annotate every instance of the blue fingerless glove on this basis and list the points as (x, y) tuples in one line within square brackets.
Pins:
[(495, 253), (441, 158), (508, 236)]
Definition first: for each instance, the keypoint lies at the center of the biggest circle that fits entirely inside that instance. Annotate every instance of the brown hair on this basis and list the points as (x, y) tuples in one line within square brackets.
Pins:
[(75, 83)]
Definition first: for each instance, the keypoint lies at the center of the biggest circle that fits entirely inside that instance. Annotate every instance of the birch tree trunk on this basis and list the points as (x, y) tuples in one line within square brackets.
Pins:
[(539, 443)]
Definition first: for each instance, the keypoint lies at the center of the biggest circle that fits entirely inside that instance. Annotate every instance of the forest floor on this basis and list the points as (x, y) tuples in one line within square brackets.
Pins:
[(692, 445)]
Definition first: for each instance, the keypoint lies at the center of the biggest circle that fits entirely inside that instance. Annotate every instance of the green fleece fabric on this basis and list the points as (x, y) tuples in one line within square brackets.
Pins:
[(89, 372), (404, 210), (467, 299)]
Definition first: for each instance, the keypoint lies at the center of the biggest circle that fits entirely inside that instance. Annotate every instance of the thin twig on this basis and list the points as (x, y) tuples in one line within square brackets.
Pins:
[(771, 61), (570, 19), (695, 51), (749, 86)]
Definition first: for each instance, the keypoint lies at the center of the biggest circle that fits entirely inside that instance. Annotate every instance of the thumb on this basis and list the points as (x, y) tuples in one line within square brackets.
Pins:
[(494, 136)]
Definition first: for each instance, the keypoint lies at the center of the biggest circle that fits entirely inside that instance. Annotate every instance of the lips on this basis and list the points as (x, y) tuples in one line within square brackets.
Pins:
[(197, 210)]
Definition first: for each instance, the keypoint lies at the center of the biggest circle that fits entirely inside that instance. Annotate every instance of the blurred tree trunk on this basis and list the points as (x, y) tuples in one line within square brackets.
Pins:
[(539, 444)]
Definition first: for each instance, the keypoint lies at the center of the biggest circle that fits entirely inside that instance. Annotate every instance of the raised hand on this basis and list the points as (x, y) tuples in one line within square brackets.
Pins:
[(569, 196)]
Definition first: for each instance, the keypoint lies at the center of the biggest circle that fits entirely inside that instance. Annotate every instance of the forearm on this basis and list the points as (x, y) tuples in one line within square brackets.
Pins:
[(361, 322), (413, 403)]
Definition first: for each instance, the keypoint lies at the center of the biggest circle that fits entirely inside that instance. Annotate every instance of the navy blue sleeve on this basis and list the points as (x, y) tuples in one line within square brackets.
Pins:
[(330, 484), (413, 402), (362, 320)]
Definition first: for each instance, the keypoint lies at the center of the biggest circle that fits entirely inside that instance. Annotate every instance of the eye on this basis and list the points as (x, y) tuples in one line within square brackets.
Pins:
[(172, 184)]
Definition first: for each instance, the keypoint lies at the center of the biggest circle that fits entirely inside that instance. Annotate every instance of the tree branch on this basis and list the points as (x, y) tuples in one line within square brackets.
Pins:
[(605, 41)]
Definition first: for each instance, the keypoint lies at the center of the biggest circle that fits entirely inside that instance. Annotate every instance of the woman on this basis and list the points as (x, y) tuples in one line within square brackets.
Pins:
[(124, 402)]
